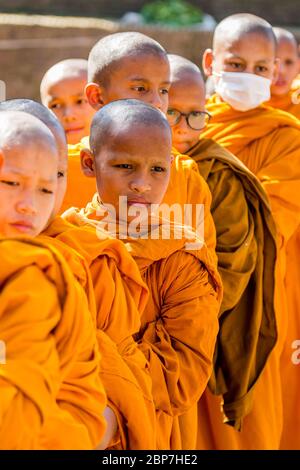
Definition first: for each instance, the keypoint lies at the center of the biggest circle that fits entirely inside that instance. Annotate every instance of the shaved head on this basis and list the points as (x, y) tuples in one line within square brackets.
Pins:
[(28, 167), (186, 96), (235, 27), (66, 69), (47, 117), (43, 114), (123, 117), (112, 49), (183, 69), (283, 35), (19, 129)]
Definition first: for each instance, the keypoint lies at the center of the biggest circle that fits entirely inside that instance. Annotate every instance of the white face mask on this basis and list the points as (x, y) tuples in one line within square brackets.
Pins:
[(243, 91)]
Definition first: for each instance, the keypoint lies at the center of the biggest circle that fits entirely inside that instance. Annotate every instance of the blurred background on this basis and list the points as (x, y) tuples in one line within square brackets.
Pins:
[(35, 34)]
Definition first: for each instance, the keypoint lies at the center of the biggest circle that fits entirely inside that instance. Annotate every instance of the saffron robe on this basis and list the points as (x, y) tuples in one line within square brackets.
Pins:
[(178, 327), (116, 295), (246, 251), (267, 141), (51, 394)]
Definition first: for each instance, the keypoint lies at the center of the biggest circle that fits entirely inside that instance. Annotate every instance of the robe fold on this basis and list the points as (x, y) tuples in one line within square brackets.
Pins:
[(291, 417), (116, 296), (51, 394), (289, 102), (246, 251), (267, 141), (178, 327)]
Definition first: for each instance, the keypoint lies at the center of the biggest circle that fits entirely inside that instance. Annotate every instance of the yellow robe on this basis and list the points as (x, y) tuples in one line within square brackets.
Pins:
[(51, 395), (178, 328), (116, 295), (246, 250), (267, 141)]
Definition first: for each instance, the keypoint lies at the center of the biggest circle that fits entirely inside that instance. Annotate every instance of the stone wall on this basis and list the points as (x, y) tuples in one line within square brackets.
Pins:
[(276, 11), (29, 45)]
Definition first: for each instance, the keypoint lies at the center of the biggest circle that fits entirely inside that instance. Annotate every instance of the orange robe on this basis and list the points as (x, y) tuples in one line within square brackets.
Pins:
[(246, 250), (80, 188), (289, 102), (51, 395), (186, 187), (268, 142), (116, 295), (290, 368), (178, 328)]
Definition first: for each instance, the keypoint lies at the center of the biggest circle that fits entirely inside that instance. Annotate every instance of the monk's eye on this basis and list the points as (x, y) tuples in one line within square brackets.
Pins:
[(10, 183), (55, 106), (81, 101), (140, 89), (261, 69), (289, 62), (164, 91), (60, 174), (124, 166), (235, 65), (158, 169), (46, 191)]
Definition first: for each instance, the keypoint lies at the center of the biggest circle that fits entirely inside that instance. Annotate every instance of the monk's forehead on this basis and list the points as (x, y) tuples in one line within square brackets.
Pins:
[(235, 32), (137, 59), (241, 45)]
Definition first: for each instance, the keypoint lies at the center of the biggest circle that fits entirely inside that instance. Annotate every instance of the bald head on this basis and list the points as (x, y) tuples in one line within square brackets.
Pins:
[(288, 55), (183, 70), (44, 115), (124, 117), (283, 35), (66, 69), (112, 49), (235, 27), (18, 129), (47, 117), (28, 167)]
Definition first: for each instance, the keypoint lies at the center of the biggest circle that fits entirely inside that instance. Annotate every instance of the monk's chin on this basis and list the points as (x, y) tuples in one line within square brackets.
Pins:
[(182, 147)]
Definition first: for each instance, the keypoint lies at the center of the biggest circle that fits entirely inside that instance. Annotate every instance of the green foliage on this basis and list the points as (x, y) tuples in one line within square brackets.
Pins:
[(171, 12)]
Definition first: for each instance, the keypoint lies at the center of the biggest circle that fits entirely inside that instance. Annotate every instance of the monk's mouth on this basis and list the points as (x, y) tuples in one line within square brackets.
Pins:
[(280, 83), (23, 227), (76, 129)]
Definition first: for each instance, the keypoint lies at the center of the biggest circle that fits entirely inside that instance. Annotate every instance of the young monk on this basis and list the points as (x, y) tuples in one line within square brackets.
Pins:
[(51, 397), (132, 65), (179, 325), (243, 62), (283, 95), (62, 91), (118, 287), (246, 250)]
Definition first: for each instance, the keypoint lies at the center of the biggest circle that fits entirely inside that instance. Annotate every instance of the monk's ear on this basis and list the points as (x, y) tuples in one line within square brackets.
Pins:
[(207, 62), (276, 70), (87, 163), (94, 94)]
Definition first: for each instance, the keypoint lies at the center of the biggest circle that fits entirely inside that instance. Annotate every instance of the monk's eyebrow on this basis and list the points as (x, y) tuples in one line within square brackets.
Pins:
[(138, 79), (25, 175)]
